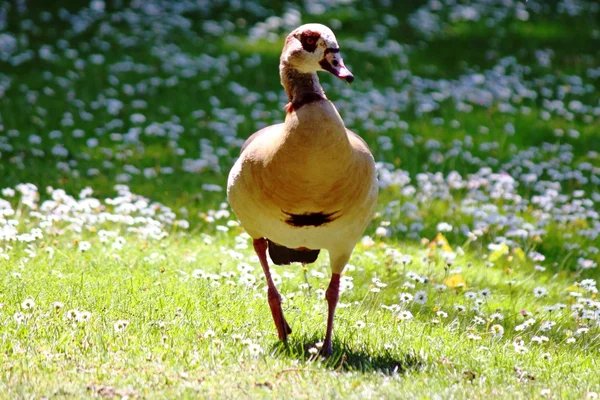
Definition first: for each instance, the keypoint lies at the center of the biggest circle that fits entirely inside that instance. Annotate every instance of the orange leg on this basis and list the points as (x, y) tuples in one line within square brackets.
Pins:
[(283, 329), (332, 296)]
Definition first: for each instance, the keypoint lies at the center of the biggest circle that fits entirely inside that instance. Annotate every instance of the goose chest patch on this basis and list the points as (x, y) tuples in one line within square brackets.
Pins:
[(310, 219)]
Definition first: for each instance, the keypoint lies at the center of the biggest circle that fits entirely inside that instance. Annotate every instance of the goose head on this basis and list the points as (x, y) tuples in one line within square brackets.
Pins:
[(311, 48)]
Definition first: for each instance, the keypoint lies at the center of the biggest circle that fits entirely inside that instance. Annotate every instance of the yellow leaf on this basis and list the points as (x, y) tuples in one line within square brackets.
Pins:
[(501, 251), (519, 253), (575, 289), (455, 281), (580, 223), (441, 242)]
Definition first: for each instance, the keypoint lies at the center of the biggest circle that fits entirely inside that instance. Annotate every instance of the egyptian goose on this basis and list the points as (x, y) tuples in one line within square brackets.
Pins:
[(308, 183)]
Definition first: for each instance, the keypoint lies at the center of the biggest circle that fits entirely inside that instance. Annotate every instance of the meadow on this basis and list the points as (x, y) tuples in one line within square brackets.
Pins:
[(124, 273)]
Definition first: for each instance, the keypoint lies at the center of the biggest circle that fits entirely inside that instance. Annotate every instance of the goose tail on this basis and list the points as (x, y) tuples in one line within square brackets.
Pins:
[(282, 255)]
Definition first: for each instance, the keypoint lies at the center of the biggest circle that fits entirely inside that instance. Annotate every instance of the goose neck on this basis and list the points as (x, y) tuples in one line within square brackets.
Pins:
[(301, 88)]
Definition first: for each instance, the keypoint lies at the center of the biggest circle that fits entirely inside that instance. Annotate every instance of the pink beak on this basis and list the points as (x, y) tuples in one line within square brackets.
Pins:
[(345, 74), (339, 70)]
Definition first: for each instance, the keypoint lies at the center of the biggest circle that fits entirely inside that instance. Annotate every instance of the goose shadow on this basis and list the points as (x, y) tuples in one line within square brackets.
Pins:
[(349, 358)]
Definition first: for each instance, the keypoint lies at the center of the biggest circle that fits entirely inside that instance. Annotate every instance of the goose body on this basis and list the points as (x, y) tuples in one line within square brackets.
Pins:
[(309, 165), (309, 183)]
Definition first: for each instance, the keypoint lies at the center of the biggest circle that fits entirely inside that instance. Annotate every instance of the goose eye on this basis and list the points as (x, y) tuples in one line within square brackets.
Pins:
[(309, 41)]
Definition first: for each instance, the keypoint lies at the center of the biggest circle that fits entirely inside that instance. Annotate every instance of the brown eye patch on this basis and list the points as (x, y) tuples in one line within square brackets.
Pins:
[(309, 41)]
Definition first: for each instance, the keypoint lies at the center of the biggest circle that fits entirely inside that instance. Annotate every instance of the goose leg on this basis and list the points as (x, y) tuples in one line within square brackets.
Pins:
[(283, 329), (332, 295)]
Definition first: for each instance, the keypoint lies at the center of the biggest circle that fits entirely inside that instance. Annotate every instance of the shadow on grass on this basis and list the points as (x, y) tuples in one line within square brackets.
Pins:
[(347, 358)]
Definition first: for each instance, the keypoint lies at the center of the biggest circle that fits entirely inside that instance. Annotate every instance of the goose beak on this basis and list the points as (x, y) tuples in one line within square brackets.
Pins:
[(345, 74), (334, 64)]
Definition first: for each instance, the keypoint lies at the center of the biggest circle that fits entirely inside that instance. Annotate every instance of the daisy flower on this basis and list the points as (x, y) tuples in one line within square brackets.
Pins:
[(497, 330), (28, 304), (420, 297), (406, 297), (121, 325), (405, 315)]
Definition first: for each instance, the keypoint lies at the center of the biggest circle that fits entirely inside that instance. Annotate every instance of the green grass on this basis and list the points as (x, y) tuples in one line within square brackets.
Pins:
[(186, 336), (171, 317)]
